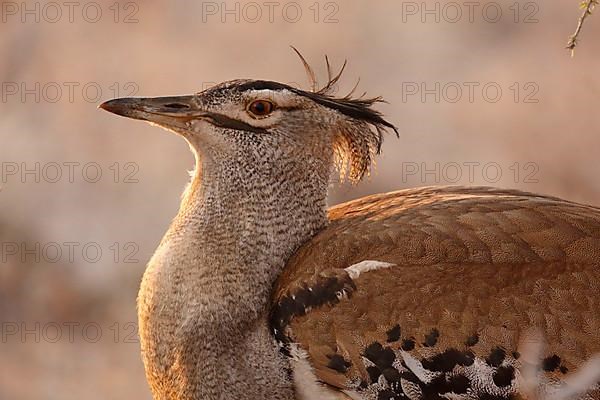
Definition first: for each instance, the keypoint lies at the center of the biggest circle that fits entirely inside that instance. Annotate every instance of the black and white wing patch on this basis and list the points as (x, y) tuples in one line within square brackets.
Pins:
[(343, 348)]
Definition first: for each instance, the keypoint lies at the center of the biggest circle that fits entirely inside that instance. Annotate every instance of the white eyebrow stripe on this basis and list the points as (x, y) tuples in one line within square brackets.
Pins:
[(355, 270), (282, 98)]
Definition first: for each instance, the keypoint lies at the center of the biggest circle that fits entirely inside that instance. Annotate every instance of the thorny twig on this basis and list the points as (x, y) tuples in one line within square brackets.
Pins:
[(587, 6)]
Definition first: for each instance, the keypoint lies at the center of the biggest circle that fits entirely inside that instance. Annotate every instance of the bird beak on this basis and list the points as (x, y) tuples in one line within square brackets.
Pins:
[(173, 113), (169, 112)]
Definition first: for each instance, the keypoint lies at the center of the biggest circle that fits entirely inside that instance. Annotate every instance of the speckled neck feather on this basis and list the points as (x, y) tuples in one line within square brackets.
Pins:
[(203, 300)]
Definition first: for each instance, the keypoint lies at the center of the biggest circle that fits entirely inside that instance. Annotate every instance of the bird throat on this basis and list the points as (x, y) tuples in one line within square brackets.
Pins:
[(204, 298)]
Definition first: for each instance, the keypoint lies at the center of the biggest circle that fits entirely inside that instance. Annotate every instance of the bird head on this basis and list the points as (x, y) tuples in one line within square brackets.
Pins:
[(269, 121)]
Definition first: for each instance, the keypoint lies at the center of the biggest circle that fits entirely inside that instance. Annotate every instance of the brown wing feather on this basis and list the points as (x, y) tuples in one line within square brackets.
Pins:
[(475, 268)]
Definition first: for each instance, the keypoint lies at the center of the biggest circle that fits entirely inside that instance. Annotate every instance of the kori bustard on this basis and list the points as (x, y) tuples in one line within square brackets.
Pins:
[(257, 291)]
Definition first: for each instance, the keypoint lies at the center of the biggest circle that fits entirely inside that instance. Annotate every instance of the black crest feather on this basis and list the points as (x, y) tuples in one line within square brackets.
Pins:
[(358, 140)]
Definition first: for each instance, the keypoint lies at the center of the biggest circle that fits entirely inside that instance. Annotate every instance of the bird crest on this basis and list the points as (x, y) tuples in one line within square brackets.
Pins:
[(359, 139)]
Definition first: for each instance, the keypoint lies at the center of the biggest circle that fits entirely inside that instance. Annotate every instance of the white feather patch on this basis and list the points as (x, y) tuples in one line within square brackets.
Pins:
[(365, 266), (586, 378), (306, 383), (417, 368), (534, 385)]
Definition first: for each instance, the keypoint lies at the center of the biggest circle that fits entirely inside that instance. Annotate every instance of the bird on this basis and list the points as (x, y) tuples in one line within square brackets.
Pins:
[(258, 290)]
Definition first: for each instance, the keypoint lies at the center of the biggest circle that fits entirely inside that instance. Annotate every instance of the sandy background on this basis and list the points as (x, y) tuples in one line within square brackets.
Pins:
[(74, 243)]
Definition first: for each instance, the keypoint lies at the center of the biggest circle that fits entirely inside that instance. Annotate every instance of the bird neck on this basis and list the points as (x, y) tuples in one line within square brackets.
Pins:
[(248, 222), (208, 285)]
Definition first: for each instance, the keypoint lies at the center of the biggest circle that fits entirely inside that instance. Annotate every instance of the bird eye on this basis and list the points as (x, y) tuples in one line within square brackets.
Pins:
[(260, 108)]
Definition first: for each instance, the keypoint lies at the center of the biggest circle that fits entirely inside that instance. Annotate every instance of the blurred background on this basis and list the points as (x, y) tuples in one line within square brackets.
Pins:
[(483, 93)]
